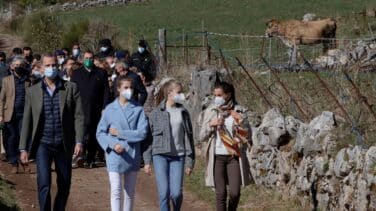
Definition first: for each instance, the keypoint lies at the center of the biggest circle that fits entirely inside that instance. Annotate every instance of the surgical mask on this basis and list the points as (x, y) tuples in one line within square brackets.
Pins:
[(179, 98), (219, 101), (37, 74), (141, 49), (127, 94), (112, 65), (76, 52), (113, 76), (50, 72), (104, 49), (61, 61), (88, 63)]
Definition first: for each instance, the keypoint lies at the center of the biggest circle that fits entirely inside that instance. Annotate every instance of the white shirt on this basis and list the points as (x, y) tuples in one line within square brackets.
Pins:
[(220, 149)]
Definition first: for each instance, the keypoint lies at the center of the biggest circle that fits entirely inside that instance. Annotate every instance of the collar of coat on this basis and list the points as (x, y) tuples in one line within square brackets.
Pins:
[(162, 106)]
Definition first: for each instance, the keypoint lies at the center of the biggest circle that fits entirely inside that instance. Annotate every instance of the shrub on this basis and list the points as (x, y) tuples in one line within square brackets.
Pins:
[(42, 31), (74, 33)]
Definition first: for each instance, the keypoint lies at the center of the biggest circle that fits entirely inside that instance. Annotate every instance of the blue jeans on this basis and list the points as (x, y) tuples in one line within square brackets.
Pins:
[(63, 167), (169, 174)]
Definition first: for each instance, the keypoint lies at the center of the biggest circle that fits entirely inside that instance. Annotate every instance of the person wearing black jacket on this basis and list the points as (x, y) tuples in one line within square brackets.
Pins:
[(93, 85), (140, 94), (143, 60)]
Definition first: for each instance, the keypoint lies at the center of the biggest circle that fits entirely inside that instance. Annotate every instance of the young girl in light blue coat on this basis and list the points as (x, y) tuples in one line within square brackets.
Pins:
[(121, 129)]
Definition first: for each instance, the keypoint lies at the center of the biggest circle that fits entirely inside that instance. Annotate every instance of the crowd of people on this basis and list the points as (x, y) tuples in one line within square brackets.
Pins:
[(84, 109)]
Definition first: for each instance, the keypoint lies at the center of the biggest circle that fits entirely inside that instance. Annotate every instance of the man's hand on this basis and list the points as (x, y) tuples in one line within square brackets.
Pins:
[(24, 157), (147, 169), (119, 149), (113, 131), (188, 171), (78, 149)]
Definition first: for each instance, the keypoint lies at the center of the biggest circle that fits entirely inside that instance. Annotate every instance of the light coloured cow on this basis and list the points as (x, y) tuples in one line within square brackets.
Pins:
[(295, 32)]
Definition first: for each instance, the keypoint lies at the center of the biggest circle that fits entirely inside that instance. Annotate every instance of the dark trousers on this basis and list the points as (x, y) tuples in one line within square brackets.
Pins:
[(63, 167), (227, 171), (12, 139), (92, 147)]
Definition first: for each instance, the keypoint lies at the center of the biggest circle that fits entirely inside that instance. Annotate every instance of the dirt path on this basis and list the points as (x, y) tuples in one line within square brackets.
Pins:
[(90, 191)]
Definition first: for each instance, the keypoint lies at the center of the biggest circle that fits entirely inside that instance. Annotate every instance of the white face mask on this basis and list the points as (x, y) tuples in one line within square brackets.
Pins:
[(141, 49), (75, 52), (104, 49), (127, 94), (179, 98), (219, 101), (113, 76), (61, 61), (112, 65)]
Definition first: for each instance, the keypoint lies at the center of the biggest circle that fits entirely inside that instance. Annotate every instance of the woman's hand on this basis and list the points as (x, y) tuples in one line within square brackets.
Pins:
[(147, 169), (119, 149), (188, 171), (216, 122), (113, 131)]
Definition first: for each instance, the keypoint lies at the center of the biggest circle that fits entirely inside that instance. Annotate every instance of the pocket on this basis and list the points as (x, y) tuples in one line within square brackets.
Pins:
[(157, 135)]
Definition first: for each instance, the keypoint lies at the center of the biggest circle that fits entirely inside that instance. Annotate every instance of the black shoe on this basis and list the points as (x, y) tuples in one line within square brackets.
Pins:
[(90, 165)]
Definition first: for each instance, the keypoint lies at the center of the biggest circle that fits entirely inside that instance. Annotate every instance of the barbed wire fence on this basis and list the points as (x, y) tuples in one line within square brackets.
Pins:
[(306, 93)]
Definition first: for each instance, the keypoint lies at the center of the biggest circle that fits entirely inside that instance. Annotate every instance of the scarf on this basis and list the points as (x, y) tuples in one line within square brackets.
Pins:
[(239, 137)]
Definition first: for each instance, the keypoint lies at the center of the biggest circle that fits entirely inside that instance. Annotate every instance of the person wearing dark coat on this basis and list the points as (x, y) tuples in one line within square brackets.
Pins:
[(4, 67), (140, 94), (93, 85), (105, 48), (143, 60)]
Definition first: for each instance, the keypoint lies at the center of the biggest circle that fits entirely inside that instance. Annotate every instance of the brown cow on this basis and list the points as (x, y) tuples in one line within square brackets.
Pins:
[(295, 32)]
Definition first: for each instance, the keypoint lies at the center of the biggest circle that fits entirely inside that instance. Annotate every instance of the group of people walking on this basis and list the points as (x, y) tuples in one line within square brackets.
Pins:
[(79, 109)]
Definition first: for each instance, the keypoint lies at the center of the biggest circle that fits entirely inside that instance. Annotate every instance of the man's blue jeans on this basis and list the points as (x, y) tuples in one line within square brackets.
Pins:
[(169, 174), (63, 167)]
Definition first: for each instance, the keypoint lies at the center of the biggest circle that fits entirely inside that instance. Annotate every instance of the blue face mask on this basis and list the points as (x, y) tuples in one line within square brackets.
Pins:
[(50, 72)]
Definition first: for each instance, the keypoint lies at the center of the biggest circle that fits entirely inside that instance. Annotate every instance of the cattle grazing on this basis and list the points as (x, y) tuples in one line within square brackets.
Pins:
[(295, 32)]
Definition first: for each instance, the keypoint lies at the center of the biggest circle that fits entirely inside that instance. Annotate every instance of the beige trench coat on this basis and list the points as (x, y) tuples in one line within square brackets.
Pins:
[(207, 136)]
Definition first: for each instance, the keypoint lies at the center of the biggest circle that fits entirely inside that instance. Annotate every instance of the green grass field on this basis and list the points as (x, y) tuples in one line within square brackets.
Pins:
[(227, 16)]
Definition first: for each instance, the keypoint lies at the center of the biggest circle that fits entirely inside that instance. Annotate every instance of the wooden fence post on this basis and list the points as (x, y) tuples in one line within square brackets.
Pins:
[(185, 48), (162, 50)]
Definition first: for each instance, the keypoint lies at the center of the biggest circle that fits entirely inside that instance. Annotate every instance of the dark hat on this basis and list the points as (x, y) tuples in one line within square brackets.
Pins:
[(3, 55), (59, 53), (120, 54), (142, 43), (105, 42)]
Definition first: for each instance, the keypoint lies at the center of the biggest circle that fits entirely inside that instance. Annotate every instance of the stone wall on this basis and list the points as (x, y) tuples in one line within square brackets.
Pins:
[(301, 160)]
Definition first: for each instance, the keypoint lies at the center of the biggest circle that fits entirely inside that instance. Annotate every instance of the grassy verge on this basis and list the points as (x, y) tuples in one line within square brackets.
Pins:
[(7, 200), (252, 196)]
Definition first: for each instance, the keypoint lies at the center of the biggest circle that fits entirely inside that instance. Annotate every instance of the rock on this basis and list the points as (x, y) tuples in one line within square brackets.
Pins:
[(342, 165), (309, 17)]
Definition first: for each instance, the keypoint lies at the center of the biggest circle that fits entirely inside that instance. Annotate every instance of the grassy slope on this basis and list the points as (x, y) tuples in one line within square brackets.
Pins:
[(7, 201), (229, 16)]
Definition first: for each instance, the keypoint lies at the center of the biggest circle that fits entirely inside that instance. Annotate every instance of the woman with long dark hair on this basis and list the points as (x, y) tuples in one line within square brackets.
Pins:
[(225, 129)]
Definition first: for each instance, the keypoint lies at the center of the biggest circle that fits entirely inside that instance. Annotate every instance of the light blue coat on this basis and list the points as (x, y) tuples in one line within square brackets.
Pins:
[(132, 126)]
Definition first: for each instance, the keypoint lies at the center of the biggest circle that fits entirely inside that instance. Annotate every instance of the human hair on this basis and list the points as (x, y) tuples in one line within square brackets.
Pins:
[(17, 51), (122, 63), (165, 90), (122, 79), (26, 48), (227, 89), (147, 75), (48, 55), (18, 58)]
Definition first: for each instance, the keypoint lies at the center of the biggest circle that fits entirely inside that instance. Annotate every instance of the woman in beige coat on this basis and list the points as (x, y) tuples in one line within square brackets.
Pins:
[(225, 129)]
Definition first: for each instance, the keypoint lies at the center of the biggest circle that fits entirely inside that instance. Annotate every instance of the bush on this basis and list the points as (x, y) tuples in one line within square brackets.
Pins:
[(43, 31), (74, 33)]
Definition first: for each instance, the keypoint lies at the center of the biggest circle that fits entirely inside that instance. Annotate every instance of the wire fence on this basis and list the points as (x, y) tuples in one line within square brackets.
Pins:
[(294, 93)]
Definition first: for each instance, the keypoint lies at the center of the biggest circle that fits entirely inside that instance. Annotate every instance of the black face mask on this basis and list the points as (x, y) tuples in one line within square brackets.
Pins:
[(20, 71)]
